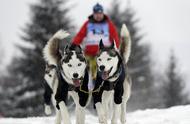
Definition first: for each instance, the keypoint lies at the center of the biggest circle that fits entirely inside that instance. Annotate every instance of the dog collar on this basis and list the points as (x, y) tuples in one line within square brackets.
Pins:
[(117, 72)]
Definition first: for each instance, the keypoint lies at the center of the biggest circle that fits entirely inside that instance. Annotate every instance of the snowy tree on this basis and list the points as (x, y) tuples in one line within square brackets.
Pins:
[(47, 17), (139, 62), (2, 71), (174, 85)]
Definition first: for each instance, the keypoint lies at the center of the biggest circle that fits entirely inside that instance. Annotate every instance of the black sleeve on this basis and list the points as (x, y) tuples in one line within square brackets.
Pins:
[(47, 93), (83, 96), (62, 90), (97, 94)]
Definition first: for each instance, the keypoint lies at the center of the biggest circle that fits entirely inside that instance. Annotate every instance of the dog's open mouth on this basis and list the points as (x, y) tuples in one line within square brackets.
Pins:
[(76, 82), (105, 74)]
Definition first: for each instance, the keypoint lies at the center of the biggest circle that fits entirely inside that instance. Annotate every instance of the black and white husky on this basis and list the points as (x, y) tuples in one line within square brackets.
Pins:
[(113, 82), (65, 75)]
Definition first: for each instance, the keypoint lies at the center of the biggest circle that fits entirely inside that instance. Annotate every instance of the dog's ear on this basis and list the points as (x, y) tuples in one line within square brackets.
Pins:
[(66, 50), (101, 45), (113, 45), (78, 49)]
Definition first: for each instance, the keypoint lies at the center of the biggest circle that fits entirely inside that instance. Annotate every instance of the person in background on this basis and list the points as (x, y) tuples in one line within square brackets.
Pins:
[(97, 27)]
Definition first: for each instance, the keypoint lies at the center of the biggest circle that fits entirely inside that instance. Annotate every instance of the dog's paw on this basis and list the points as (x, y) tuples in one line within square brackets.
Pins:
[(47, 110), (123, 120), (103, 120), (115, 122), (124, 31), (61, 34)]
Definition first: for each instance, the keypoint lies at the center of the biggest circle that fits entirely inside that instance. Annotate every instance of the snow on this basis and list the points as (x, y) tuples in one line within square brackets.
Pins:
[(174, 115)]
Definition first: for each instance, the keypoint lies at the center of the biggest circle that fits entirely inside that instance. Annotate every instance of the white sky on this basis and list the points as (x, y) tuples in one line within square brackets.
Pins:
[(166, 24)]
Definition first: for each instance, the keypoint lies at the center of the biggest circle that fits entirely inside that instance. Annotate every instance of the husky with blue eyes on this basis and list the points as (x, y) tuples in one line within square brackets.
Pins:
[(113, 82), (66, 75)]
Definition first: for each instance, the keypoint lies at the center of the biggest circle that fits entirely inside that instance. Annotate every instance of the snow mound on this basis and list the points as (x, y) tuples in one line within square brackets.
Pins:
[(174, 115)]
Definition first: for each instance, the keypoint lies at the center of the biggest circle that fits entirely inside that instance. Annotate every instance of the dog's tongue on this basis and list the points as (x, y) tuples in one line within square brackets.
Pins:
[(76, 82), (105, 75)]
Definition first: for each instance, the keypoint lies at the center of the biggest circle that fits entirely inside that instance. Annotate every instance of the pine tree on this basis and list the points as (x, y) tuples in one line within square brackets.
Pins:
[(2, 81), (47, 17), (139, 62), (174, 85)]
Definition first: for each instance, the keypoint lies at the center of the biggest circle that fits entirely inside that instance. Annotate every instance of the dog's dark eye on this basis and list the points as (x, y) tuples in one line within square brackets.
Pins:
[(100, 59), (79, 64), (50, 75), (69, 65), (109, 59)]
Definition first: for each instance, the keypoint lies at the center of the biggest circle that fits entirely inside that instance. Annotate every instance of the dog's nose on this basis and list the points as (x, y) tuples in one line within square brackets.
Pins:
[(102, 67), (75, 75)]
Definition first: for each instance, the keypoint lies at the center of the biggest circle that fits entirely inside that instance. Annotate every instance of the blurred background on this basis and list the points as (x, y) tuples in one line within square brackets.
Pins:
[(159, 64)]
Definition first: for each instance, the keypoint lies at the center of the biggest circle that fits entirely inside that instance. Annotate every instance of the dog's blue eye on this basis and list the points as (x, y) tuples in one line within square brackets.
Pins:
[(79, 64), (100, 59), (69, 65), (109, 59)]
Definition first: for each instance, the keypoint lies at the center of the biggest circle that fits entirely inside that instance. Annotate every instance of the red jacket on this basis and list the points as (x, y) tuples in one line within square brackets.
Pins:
[(92, 50)]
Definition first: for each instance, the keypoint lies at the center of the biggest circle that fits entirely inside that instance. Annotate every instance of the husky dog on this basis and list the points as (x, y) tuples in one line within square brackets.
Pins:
[(66, 75), (112, 80)]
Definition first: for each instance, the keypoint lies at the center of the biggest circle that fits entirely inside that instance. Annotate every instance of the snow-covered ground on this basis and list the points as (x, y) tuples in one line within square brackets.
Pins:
[(174, 115)]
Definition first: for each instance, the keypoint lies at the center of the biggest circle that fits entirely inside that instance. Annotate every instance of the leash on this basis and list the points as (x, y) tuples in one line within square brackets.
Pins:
[(91, 91)]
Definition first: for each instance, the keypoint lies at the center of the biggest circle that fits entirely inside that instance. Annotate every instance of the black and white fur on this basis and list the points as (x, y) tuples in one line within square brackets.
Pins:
[(66, 76), (113, 80)]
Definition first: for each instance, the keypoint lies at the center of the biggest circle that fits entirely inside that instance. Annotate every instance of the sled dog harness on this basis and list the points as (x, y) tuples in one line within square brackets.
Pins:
[(64, 87), (83, 89), (106, 85)]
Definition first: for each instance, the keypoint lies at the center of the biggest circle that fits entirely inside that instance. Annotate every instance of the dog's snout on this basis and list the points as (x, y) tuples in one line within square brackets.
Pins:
[(102, 67), (75, 75)]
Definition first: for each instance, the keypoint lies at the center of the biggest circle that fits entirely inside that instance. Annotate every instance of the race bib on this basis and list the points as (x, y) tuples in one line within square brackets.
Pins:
[(96, 32)]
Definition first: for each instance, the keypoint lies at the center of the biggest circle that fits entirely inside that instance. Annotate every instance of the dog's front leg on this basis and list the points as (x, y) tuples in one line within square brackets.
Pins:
[(123, 113), (101, 113), (126, 95), (116, 113), (64, 113), (58, 112), (79, 110), (80, 114), (58, 117), (106, 97)]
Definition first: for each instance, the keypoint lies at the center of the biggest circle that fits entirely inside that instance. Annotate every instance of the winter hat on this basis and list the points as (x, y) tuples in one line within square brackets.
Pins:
[(98, 8)]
